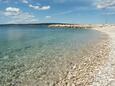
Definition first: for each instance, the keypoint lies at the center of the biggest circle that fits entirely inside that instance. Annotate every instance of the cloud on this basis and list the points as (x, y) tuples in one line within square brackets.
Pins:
[(102, 4), (36, 7), (39, 7), (11, 11), (17, 16)]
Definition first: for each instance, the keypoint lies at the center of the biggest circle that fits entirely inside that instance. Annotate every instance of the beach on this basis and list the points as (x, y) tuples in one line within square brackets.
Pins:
[(62, 57), (57, 42), (106, 75), (101, 70), (85, 73)]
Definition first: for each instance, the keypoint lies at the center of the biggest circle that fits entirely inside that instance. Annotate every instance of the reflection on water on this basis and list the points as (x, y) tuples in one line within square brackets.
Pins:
[(39, 56)]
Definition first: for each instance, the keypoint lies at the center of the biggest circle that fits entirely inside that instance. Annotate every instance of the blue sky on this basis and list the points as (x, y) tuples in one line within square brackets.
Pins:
[(57, 11)]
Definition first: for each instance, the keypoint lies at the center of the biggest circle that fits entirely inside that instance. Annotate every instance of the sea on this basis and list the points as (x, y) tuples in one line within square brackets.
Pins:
[(36, 55)]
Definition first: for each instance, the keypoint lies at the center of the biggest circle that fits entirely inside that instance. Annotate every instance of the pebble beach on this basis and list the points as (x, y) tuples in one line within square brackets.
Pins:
[(97, 68), (85, 73), (106, 74)]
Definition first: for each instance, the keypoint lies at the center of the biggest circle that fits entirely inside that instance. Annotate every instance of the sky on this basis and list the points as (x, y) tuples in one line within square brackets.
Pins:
[(57, 11)]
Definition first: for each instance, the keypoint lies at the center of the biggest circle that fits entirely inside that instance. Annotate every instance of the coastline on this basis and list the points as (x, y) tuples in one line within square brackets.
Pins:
[(85, 73), (106, 74), (102, 73)]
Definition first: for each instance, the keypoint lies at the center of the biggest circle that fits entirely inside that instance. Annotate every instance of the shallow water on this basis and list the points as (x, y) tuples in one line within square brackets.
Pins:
[(34, 55)]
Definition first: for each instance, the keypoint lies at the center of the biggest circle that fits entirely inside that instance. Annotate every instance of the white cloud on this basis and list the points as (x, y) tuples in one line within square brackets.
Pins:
[(36, 7), (101, 4), (17, 16), (39, 7), (11, 11)]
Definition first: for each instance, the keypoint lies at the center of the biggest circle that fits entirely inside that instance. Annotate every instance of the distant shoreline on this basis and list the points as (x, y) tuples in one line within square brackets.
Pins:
[(71, 26), (62, 25), (35, 23), (79, 25)]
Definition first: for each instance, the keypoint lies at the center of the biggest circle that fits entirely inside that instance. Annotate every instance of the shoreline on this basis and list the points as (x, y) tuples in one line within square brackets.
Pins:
[(84, 74), (106, 74)]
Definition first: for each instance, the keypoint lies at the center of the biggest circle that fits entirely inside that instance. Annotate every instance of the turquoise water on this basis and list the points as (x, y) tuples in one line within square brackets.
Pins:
[(38, 56)]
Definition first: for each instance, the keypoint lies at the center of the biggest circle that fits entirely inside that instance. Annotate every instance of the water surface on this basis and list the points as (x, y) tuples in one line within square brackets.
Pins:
[(34, 55)]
